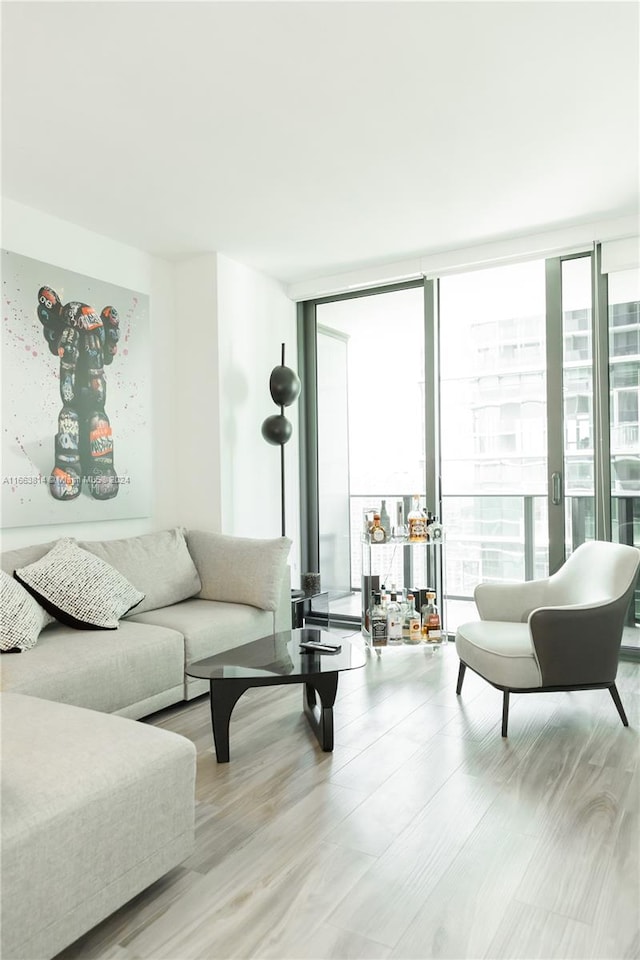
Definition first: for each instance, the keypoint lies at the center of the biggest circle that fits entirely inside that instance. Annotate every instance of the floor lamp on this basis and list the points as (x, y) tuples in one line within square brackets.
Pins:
[(284, 386)]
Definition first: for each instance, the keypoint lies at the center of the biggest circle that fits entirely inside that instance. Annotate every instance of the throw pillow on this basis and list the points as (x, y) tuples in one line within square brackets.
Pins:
[(158, 564), (21, 617), (78, 588), (239, 569)]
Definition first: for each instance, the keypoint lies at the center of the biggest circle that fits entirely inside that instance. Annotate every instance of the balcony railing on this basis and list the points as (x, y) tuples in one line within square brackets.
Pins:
[(499, 538), (625, 438)]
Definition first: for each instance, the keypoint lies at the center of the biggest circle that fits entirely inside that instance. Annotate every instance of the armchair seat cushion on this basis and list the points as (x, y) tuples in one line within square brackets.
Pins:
[(500, 652)]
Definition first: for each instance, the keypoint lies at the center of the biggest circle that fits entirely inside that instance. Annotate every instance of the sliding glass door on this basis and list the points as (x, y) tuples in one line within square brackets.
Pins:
[(370, 424), (335, 457), (493, 429), (624, 412), (577, 402), (538, 388)]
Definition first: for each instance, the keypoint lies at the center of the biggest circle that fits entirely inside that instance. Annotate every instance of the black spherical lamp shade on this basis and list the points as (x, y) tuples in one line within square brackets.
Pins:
[(284, 385), (285, 388), (276, 429)]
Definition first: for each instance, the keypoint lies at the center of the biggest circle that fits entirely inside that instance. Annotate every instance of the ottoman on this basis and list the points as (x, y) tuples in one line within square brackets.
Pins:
[(94, 808)]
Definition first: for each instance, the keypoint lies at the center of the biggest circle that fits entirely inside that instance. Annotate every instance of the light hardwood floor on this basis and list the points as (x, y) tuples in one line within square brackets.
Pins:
[(424, 834)]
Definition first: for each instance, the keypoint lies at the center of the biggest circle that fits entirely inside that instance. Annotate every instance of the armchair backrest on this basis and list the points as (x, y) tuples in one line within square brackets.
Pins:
[(579, 647), (596, 571)]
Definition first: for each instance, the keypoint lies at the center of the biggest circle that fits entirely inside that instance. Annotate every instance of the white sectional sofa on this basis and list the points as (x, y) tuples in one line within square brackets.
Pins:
[(95, 807), (203, 593)]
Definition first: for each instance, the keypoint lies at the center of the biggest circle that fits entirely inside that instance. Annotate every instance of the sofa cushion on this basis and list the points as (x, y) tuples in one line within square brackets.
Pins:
[(78, 588), (209, 626), (21, 616), (94, 809), (106, 671), (158, 564), (10, 560), (239, 569)]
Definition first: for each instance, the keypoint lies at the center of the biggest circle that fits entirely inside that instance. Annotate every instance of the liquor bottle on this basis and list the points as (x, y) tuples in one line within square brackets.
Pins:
[(405, 607), (398, 596), (378, 533), (415, 626), (400, 528), (434, 628), (435, 530), (394, 621), (378, 620), (411, 633), (385, 522), (367, 614), (417, 522), (425, 611)]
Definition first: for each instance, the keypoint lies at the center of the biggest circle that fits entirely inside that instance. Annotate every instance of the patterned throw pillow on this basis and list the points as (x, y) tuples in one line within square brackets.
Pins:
[(78, 588), (21, 617)]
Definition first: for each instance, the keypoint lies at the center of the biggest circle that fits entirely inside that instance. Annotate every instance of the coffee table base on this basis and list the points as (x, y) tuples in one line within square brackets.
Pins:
[(319, 697)]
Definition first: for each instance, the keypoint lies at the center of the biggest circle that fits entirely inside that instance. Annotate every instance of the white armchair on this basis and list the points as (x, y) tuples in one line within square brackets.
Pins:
[(562, 633)]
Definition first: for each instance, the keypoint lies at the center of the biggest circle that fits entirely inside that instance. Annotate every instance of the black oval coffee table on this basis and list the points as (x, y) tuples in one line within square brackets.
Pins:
[(277, 659)]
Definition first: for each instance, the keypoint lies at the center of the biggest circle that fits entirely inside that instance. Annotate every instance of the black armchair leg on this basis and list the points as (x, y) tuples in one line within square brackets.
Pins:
[(461, 671), (615, 696), (505, 712)]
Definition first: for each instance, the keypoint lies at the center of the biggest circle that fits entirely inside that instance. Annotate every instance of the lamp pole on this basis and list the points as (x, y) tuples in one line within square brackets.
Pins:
[(284, 385)]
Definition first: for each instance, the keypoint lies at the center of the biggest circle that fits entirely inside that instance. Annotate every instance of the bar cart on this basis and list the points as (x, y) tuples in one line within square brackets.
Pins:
[(395, 564)]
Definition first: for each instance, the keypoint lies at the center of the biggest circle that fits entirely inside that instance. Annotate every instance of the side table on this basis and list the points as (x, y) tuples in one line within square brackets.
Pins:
[(313, 607)]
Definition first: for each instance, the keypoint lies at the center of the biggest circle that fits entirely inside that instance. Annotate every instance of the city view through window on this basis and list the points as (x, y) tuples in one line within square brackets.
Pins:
[(493, 421), (493, 427)]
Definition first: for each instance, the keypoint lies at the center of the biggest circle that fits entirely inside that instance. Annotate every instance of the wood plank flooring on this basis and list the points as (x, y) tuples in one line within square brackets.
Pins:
[(423, 835)]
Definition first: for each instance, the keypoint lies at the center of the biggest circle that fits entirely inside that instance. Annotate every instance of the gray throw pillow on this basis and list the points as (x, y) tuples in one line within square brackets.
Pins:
[(239, 569), (158, 564)]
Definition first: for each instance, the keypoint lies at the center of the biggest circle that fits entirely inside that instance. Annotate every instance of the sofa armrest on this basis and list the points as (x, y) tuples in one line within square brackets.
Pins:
[(282, 615), (509, 601), (239, 569)]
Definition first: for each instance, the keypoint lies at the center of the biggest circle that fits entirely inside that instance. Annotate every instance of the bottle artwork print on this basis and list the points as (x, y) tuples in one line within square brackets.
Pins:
[(85, 342)]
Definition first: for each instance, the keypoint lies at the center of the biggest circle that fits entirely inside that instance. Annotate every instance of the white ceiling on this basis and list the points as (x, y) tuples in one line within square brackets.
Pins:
[(306, 139)]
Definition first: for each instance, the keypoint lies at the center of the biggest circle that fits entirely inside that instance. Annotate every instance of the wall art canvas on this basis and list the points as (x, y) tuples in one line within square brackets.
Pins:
[(76, 399)]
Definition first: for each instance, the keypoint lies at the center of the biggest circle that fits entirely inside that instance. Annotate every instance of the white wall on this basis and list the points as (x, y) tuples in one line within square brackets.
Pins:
[(34, 234), (255, 317), (196, 443)]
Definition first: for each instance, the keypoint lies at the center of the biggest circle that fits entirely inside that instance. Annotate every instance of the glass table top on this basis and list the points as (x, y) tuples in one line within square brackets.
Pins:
[(280, 655)]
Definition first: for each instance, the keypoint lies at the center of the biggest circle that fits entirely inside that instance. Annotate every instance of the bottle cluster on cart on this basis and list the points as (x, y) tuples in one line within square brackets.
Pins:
[(394, 619), (420, 525)]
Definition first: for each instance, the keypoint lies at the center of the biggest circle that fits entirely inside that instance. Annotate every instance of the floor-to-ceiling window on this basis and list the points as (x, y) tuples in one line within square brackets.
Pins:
[(493, 429), (370, 425), (514, 374), (577, 402), (624, 414)]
